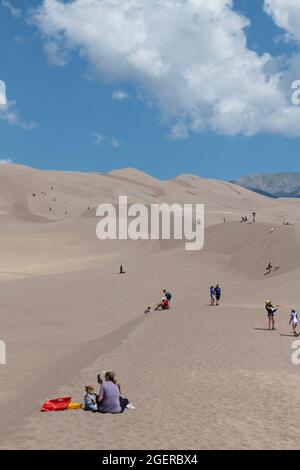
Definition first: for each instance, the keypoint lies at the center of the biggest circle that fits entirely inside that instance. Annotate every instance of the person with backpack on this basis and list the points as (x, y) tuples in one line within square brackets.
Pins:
[(167, 295), (218, 294), (271, 310)]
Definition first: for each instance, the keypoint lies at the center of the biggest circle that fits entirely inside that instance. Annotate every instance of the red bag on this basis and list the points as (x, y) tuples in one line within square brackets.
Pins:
[(58, 404)]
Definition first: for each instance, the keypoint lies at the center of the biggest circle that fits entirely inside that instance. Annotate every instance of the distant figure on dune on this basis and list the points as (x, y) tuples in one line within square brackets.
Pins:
[(287, 223), (148, 310), (217, 294), (121, 270), (224, 220), (269, 268), (212, 295), (294, 321), (271, 230), (253, 216), (271, 310)]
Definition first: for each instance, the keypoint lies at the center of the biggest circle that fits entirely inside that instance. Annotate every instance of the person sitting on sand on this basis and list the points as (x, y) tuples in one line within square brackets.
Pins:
[(90, 399), (167, 295), (217, 294), (122, 270), (271, 310), (212, 295), (294, 321), (163, 304), (109, 399)]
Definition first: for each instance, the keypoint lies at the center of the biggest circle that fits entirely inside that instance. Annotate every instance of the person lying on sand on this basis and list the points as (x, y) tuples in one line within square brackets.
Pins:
[(294, 321), (271, 310), (90, 399), (109, 398)]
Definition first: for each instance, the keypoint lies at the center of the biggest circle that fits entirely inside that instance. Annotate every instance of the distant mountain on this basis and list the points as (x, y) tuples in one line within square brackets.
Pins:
[(272, 185)]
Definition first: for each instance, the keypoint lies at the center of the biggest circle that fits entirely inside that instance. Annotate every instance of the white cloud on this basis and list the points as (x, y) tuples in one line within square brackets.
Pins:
[(16, 12), (5, 161), (120, 95), (11, 114), (189, 56), (2, 93), (286, 14), (97, 138), (115, 143), (56, 55)]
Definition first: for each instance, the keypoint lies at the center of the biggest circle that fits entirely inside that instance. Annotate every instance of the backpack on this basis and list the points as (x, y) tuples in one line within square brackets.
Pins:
[(168, 296)]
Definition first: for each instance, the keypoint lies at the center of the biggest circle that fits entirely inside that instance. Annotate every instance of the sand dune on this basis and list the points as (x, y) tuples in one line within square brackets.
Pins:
[(199, 376)]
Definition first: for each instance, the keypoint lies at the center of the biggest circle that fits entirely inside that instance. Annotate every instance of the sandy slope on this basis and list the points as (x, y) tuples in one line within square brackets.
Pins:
[(200, 376)]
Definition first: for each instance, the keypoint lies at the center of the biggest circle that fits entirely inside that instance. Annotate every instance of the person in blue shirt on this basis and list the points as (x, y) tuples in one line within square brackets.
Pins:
[(218, 294), (212, 295)]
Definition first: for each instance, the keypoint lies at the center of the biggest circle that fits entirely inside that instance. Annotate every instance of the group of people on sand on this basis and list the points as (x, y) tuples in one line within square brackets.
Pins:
[(215, 295), (245, 219), (164, 303), (293, 319), (109, 399)]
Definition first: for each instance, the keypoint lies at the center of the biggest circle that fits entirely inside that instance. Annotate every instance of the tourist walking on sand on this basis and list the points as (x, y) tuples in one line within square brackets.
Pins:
[(217, 294), (271, 310), (294, 321), (212, 295)]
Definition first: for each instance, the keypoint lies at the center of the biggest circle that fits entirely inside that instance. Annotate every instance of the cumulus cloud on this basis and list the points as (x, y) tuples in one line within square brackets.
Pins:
[(11, 114), (120, 95), (16, 12), (190, 58), (9, 111), (286, 15)]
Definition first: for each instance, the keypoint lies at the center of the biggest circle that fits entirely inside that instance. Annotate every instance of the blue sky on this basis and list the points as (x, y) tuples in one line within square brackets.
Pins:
[(71, 106)]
